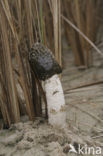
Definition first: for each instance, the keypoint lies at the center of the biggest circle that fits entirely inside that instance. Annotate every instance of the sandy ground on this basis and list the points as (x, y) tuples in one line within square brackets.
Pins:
[(84, 109)]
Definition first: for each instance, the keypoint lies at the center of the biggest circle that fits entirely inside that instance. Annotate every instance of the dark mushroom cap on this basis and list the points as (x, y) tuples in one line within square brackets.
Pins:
[(43, 62)]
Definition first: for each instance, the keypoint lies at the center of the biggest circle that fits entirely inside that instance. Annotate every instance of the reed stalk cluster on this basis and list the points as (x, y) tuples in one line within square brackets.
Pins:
[(24, 22)]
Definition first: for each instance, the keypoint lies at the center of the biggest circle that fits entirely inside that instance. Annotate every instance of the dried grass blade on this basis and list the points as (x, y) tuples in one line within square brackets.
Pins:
[(82, 34)]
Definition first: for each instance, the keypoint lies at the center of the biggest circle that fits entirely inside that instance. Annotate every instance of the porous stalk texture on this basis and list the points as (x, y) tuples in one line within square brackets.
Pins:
[(55, 101)]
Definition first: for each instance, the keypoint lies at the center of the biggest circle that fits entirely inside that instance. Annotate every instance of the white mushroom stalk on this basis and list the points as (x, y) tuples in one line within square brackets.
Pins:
[(46, 69), (55, 102)]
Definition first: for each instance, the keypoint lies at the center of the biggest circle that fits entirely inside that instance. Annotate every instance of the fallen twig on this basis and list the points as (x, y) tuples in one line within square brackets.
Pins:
[(82, 34), (90, 114), (79, 90), (85, 85), (95, 137)]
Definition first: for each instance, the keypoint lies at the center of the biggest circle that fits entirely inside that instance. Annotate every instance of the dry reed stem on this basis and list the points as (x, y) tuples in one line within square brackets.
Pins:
[(37, 13), (56, 11), (59, 32), (3, 103), (80, 27), (23, 78), (72, 35), (27, 96), (28, 10), (9, 71), (90, 29), (82, 34)]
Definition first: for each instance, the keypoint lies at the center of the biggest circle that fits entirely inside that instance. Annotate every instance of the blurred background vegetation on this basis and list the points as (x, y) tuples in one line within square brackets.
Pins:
[(77, 23)]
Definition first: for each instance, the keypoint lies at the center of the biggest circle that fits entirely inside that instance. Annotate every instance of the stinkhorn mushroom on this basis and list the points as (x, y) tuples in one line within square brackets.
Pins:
[(45, 66)]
